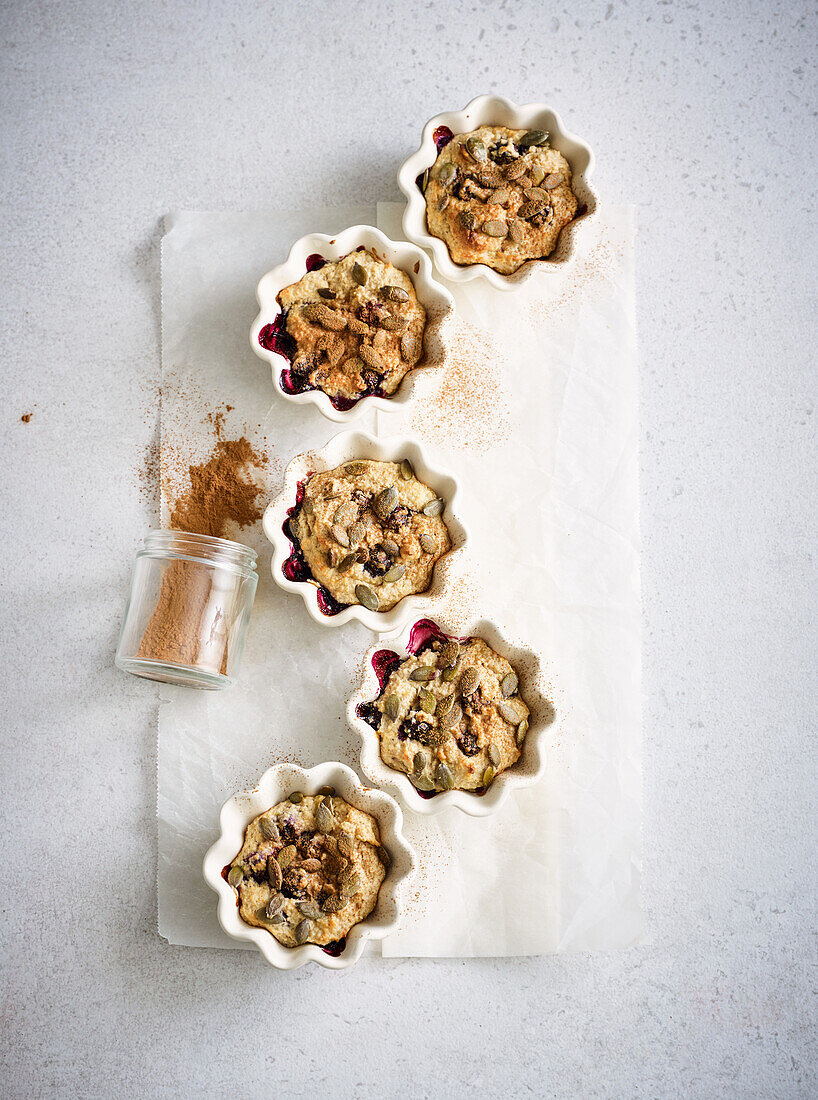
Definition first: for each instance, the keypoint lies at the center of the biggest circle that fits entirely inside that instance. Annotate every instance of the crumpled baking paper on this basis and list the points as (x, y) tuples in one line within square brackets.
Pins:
[(537, 413)]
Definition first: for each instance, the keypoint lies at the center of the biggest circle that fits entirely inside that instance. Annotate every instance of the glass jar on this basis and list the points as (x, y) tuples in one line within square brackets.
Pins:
[(189, 608)]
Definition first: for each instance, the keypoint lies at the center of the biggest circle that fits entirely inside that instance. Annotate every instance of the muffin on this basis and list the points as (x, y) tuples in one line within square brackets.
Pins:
[(369, 532), (450, 716), (352, 328), (499, 197), (309, 870)]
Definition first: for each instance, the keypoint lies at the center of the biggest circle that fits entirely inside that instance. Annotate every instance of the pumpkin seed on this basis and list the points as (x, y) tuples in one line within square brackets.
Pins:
[(434, 507), (422, 673), (324, 819), (391, 547), (394, 294), (350, 883), (358, 274), (302, 931), (552, 180), (499, 197), (394, 324), (515, 169), (326, 318), (340, 535), (494, 228), (346, 563), (422, 783), (452, 716), (278, 918), (391, 706), (345, 845), (467, 220), (469, 681), (269, 830), (427, 701), (530, 209), (355, 469), (444, 705), (448, 674), (449, 652), (537, 174), (522, 730), (446, 172), (495, 756), (508, 713), (424, 180), (406, 471), (366, 597), (508, 684), (428, 543), (408, 347), (385, 502), (274, 905), (488, 776), (516, 230), (235, 875), (384, 856), (394, 574), (444, 776), (536, 194), (444, 201), (355, 533), (311, 865), (357, 327), (476, 149), (296, 797), (533, 137), (370, 357), (286, 856), (309, 909), (333, 904), (419, 762), (325, 292), (274, 873)]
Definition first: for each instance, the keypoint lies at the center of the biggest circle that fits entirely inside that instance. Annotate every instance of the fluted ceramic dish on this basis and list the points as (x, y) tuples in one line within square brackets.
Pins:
[(344, 448), (495, 110), (273, 787), (434, 298), (526, 772)]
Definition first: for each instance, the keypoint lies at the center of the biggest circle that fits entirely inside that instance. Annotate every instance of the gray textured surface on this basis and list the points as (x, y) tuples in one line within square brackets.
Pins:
[(701, 114)]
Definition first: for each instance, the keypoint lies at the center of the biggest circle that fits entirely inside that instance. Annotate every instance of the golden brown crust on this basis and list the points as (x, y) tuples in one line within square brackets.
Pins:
[(357, 324), (502, 203)]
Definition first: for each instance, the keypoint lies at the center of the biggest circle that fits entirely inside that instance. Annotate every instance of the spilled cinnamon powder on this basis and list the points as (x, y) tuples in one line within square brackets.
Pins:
[(191, 622), (221, 492)]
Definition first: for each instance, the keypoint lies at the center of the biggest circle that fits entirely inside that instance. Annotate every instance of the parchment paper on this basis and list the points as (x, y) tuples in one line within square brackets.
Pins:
[(537, 413)]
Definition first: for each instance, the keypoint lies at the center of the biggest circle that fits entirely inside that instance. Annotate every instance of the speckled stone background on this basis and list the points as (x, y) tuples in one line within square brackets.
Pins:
[(702, 114)]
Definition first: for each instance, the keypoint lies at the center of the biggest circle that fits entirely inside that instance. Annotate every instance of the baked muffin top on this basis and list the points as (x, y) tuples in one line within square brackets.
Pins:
[(499, 197)]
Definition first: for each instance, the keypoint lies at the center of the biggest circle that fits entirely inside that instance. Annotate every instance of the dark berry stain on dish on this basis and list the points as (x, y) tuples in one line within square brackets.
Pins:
[(295, 568), (336, 948), (315, 262), (441, 137)]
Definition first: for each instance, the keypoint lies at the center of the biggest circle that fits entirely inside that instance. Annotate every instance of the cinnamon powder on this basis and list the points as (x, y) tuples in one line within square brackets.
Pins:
[(189, 626)]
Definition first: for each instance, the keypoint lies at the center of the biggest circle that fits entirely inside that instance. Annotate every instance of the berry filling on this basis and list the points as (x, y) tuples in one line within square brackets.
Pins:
[(441, 137), (295, 568)]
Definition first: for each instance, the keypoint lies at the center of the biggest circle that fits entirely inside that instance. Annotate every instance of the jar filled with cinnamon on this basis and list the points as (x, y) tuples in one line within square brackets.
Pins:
[(189, 609)]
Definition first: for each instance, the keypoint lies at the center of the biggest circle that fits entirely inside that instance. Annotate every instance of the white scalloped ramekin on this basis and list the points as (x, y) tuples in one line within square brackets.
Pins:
[(495, 110), (344, 448), (435, 299), (274, 786), (526, 772)]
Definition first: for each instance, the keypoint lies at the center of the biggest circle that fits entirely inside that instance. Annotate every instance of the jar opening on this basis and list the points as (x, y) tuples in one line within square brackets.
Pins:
[(209, 549)]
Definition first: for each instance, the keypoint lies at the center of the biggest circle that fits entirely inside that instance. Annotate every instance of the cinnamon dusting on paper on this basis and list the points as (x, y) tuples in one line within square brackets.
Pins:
[(470, 407)]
